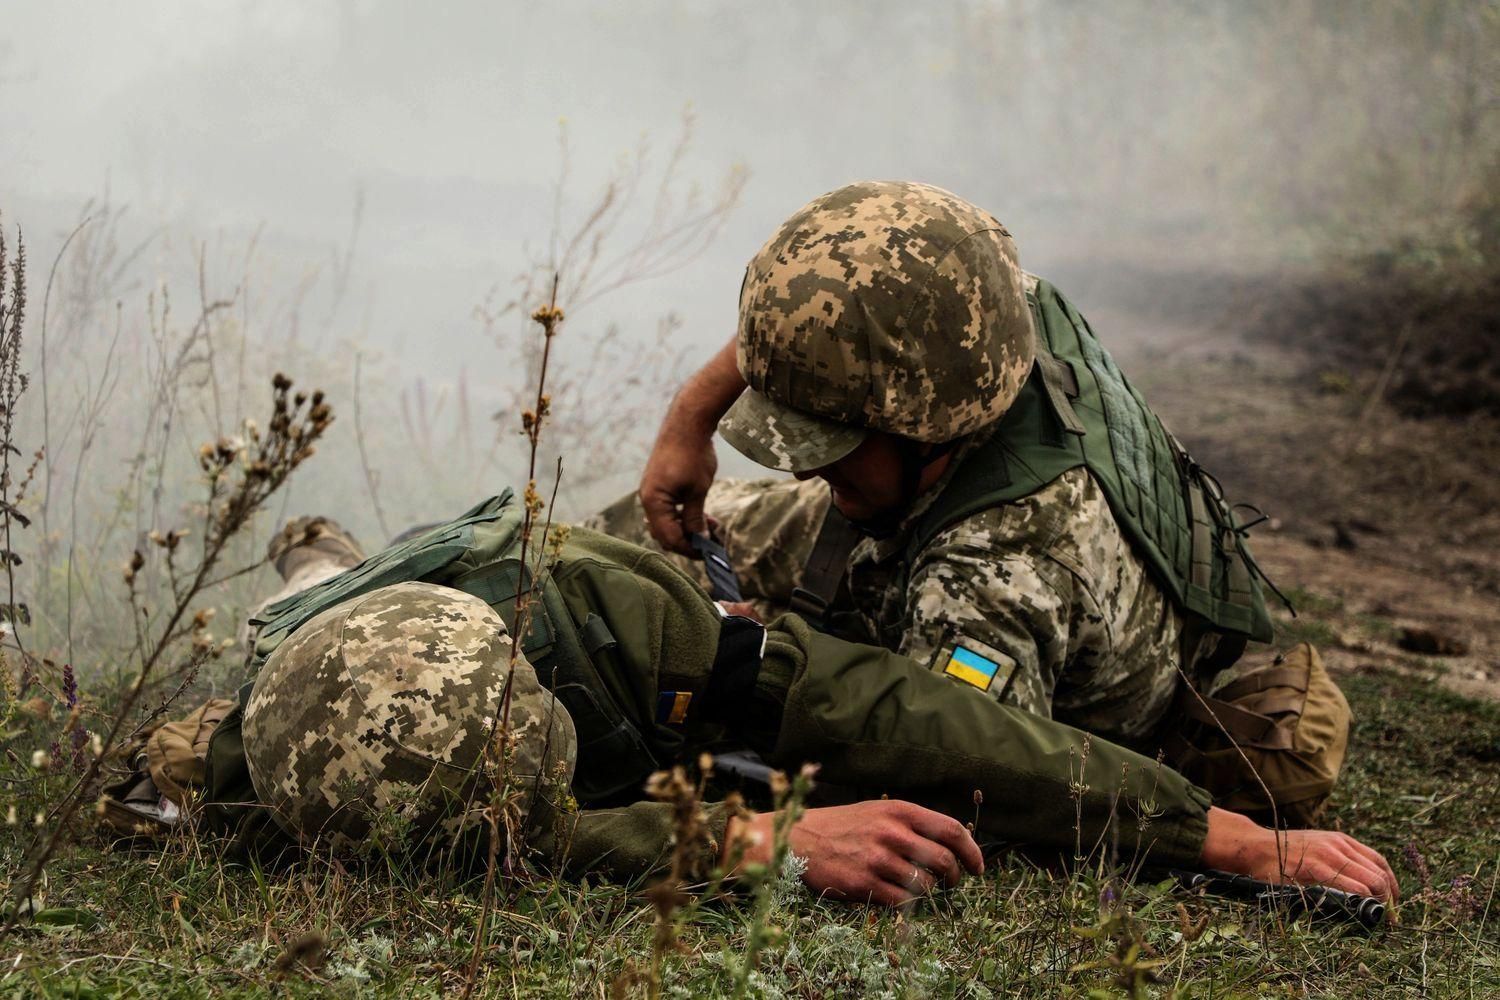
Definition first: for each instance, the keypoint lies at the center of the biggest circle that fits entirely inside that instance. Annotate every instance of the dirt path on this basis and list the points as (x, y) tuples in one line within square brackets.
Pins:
[(1384, 529), (1361, 613)]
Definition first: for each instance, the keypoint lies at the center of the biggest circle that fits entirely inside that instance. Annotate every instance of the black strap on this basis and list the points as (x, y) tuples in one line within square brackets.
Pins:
[(731, 680), (824, 572), (723, 585)]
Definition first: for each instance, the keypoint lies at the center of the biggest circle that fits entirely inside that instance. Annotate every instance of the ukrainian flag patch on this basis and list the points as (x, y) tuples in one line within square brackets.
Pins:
[(972, 667), (672, 707)]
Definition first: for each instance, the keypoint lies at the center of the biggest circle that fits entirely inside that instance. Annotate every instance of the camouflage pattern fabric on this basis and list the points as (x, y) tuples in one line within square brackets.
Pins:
[(887, 305), (382, 708), (1047, 588), (770, 525)]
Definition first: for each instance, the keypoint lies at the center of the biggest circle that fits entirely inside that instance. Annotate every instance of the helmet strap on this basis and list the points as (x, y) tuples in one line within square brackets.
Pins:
[(915, 456)]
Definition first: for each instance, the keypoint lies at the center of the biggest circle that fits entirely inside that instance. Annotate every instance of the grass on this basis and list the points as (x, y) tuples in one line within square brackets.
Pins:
[(1422, 779)]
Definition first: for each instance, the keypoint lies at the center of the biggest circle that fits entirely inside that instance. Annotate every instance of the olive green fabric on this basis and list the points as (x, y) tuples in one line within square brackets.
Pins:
[(480, 554), (882, 723), (1077, 409), (877, 722)]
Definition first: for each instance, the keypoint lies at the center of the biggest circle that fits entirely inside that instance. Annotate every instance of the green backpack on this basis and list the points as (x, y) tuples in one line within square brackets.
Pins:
[(594, 637), (1078, 409)]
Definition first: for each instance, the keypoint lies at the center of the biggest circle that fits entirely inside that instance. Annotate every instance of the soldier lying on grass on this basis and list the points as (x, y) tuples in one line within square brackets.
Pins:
[(382, 686)]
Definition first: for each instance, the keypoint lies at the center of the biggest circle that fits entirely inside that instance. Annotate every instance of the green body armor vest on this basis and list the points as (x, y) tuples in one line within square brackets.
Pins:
[(1078, 409), (583, 606)]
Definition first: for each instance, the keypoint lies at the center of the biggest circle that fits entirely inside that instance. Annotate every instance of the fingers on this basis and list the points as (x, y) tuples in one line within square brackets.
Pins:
[(1378, 860), (908, 879), (1338, 861), (1356, 877), (951, 834), (931, 857), (693, 520), (664, 522)]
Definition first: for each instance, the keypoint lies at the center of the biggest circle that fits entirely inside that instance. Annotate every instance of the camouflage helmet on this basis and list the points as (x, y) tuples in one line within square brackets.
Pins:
[(382, 707), (884, 305)]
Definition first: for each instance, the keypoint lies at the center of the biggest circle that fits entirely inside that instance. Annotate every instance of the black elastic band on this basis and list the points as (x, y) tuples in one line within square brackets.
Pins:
[(736, 668)]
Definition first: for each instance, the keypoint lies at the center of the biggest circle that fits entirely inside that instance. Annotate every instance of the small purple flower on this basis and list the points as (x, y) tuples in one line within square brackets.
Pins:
[(70, 686), (1417, 863)]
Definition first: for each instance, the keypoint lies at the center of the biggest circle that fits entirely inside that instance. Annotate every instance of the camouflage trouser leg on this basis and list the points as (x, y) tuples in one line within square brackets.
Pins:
[(310, 571), (767, 526)]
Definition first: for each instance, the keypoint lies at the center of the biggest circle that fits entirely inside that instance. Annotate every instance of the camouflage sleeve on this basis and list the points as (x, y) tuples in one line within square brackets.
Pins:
[(1054, 613), (625, 843), (991, 603), (767, 525)]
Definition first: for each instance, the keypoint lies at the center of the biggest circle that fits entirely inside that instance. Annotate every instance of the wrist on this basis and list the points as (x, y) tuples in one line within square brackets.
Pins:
[(747, 841), (1231, 837)]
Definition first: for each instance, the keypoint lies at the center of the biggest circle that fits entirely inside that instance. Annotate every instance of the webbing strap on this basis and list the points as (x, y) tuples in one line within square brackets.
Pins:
[(1061, 384), (1239, 573), (1202, 536), (1295, 678), (825, 568), (1244, 726)]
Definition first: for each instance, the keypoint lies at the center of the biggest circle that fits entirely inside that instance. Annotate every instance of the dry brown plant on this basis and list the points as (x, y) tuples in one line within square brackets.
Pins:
[(239, 477)]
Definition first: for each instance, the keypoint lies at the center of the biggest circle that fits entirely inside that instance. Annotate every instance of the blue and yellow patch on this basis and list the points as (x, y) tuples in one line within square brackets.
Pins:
[(672, 707), (971, 667)]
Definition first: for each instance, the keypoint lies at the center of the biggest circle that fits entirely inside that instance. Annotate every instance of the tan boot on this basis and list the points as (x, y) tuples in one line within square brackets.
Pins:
[(303, 539)]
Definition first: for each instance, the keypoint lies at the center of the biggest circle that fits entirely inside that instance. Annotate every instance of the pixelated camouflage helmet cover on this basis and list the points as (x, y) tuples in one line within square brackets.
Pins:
[(887, 305), (384, 705)]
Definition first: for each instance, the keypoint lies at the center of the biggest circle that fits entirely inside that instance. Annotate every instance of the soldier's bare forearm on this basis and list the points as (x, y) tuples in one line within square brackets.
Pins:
[(705, 396), (682, 463)]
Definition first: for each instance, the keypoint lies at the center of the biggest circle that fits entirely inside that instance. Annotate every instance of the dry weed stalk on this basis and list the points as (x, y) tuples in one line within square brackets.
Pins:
[(694, 859), (501, 810), (240, 476), (605, 386), (13, 383), (789, 798)]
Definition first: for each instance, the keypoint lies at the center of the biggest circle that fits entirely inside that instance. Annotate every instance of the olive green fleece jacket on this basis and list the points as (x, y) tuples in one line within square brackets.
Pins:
[(883, 724)]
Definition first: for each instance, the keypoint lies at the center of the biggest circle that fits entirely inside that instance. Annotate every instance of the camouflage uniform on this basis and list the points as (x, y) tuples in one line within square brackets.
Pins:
[(1047, 587), (383, 707), (900, 307)]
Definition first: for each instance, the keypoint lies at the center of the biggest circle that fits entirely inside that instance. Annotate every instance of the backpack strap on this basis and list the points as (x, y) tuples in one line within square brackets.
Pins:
[(824, 571)]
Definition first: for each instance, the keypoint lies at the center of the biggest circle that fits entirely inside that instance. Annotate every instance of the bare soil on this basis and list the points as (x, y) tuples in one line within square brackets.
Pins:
[(1383, 511)]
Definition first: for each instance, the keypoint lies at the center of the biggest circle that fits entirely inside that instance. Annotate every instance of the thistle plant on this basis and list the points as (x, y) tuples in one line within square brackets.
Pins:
[(239, 476)]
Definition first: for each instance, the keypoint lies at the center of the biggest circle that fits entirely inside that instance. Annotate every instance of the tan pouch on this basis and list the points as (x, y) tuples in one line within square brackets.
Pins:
[(1281, 728), (175, 752)]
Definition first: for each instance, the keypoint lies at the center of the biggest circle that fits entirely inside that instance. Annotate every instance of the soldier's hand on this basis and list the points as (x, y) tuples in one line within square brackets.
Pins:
[(880, 851), (1238, 844), (682, 463), (676, 481)]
